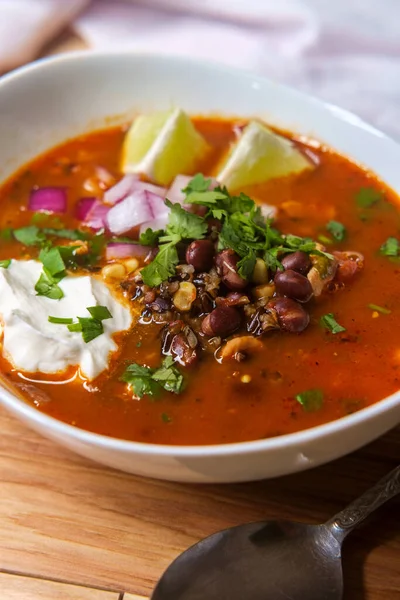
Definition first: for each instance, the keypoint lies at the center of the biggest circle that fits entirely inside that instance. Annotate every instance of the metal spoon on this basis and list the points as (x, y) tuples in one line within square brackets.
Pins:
[(272, 560)]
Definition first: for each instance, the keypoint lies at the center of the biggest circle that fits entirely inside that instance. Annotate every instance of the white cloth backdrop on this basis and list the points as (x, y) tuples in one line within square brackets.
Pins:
[(346, 51)]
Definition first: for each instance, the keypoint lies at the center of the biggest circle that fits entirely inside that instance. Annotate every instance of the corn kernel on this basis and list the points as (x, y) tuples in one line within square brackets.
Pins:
[(245, 379), (113, 272), (131, 264), (185, 296), (260, 272), (375, 314)]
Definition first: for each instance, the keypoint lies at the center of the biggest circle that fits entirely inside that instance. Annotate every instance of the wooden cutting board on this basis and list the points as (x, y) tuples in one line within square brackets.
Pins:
[(73, 530)]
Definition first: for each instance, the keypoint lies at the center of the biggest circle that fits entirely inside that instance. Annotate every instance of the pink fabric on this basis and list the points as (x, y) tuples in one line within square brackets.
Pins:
[(346, 51)]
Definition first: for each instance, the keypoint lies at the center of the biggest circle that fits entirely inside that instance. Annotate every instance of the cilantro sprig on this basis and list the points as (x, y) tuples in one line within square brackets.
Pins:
[(329, 322), (337, 229), (391, 247), (182, 225), (55, 261), (150, 382), (90, 327), (311, 400), (243, 230)]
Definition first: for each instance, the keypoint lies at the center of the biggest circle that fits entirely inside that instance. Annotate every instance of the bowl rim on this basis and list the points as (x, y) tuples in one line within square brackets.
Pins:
[(290, 440)]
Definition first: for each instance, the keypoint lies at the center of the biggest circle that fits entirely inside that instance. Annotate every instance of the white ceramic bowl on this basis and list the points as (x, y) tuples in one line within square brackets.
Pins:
[(52, 100)]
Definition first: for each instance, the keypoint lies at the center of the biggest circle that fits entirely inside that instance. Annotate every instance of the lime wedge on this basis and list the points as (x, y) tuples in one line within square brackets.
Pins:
[(162, 145), (259, 155)]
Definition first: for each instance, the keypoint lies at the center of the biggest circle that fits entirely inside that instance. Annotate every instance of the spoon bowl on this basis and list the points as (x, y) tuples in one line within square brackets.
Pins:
[(272, 560), (255, 561)]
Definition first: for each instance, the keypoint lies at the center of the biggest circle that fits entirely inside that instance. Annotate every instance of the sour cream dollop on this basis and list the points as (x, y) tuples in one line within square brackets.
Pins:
[(32, 344)]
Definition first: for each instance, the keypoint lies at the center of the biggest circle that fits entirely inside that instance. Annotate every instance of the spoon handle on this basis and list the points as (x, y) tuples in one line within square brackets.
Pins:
[(350, 517)]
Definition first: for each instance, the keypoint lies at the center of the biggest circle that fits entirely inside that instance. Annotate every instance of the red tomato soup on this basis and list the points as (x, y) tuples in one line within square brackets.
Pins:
[(243, 326)]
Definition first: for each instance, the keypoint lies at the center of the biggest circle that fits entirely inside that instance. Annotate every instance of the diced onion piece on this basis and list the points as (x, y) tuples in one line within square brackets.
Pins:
[(116, 250), (268, 211), (48, 199), (120, 190), (174, 193), (157, 205), (149, 187), (106, 179), (127, 186), (83, 207), (97, 216), (132, 211), (154, 224)]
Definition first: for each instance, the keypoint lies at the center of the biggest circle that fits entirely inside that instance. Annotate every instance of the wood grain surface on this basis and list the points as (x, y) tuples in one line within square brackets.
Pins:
[(67, 519)]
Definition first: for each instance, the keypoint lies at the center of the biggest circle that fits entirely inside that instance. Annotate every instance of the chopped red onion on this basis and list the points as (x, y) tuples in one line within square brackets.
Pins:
[(149, 187), (116, 250), (133, 210), (268, 211), (96, 218), (128, 185), (154, 224), (48, 199), (120, 190), (83, 207), (106, 179), (174, 193), (157, 205)]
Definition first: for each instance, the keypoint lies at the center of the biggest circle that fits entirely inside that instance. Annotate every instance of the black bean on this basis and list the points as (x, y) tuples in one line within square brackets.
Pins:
[(160, 304), (226, 263), (291, 316), (292, 284), (224, 320), (200, 254), (182, 351), (297, 261)]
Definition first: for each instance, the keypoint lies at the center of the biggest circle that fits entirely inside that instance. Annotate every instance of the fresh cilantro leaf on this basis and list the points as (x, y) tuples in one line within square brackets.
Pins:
[(338, 230), (47, 285), (141, 380), (246, 264), (91, 328), (271, 259), (209, 198), (99, 312), (5, 263), (150, 237), (75, 327), (311, 400), (29, 236), (391, 247), (168, 376), (380, 309), (198, 184), (162, 267), (145, 380), (68, 234), (44, 220), (367, 197), (52, 260), (329, 322), (60, 320), (183, 225)]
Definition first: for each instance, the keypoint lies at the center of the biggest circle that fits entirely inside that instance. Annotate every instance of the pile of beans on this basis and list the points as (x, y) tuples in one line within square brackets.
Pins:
[(207, 301)]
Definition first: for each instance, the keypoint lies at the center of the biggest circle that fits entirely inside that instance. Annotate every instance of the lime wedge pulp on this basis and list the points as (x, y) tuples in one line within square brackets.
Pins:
[(259, 155), (162, 145)]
